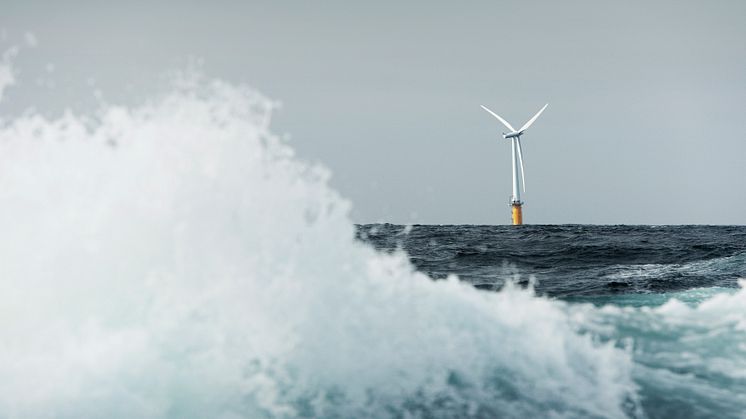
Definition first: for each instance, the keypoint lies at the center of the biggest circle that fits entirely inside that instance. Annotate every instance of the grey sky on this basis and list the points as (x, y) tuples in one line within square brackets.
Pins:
[(645, 123)]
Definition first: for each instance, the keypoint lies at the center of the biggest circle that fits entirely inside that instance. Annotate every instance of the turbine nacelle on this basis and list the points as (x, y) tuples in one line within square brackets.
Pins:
[(514, 134)]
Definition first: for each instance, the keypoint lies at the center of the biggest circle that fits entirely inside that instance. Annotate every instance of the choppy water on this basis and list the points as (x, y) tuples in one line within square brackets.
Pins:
[(573, 260), (177, 260), (669, 292)]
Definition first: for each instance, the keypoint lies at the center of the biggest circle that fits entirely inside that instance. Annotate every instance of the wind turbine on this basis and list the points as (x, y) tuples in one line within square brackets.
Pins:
[(515, 139)]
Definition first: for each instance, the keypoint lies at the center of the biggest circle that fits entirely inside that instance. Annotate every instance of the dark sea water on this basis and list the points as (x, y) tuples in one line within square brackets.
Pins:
[(567, 261), (668, 294)]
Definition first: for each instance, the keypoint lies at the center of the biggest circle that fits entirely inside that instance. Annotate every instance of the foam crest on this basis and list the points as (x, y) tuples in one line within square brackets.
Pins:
[(733, 263)]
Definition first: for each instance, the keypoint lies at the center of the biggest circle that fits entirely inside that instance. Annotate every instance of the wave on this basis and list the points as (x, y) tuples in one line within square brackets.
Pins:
[(177, 260), (689, 352), (700, 268), (666, 277)]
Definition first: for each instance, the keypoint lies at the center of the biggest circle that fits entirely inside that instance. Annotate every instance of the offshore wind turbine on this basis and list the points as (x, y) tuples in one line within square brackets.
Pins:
[(515, 139)]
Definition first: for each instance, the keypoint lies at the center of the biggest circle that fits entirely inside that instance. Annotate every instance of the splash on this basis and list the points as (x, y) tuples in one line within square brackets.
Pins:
[(176, 260), (7, 76)]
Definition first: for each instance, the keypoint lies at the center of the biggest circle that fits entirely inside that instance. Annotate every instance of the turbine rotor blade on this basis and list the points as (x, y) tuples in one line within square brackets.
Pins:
[(520, 160), (507, 125), (531, 121)]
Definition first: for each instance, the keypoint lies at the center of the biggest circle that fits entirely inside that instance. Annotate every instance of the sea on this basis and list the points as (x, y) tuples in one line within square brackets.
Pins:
[(671, 293), (594, 263), (177, 259)]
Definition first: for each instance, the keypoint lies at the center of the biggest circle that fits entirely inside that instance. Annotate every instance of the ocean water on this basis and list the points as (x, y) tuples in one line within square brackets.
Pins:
[(177, 260), (669, 294), (590, 262)]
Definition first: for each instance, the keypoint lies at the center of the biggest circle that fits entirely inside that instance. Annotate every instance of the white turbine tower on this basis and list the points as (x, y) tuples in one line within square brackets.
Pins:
[(515, 138)]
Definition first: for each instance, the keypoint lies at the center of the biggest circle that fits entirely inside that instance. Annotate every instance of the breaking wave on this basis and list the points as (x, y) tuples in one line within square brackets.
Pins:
[(177, 260)]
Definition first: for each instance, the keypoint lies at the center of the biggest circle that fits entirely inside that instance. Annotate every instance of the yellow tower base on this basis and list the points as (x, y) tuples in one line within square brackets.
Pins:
[(517, 213)]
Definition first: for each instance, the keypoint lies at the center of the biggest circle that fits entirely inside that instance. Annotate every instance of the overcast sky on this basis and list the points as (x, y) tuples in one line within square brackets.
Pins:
[(645, 123)]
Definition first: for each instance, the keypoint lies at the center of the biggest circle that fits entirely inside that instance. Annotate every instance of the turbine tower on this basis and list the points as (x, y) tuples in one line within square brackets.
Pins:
[(515, 139)]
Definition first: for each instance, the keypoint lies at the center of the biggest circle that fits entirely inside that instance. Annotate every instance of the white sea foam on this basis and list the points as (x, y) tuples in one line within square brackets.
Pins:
[(657, 270), (689, 353), (176, 260)]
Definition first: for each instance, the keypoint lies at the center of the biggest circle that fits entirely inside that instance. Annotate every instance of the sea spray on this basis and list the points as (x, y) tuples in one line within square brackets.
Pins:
[(176, 260)]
